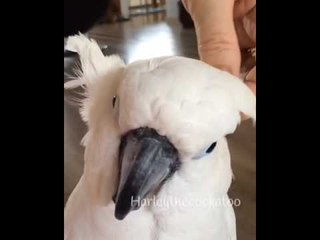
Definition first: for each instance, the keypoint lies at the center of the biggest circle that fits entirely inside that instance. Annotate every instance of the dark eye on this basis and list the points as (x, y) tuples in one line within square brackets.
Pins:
[(212, 146), (114, 100), (205, 151)]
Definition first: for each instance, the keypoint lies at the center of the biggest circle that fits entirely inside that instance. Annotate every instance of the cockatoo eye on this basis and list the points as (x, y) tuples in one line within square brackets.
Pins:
[(205, 151), (114, 101), (212, 146)]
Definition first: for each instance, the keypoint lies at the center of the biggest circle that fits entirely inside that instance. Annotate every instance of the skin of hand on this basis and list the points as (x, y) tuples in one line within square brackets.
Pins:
[(223, 28)]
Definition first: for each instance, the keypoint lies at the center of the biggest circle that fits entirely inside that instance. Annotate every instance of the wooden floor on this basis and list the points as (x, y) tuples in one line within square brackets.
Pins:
[(153, 36)]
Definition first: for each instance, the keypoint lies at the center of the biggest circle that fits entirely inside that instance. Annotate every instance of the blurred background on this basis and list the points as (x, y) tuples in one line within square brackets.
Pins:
[(140, 29)]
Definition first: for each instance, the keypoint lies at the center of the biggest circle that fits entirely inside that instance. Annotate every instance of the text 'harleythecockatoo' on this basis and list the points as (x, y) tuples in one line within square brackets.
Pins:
[(156, 156)]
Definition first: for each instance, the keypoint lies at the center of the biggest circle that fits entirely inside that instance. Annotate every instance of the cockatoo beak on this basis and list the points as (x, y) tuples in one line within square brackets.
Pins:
[(146, 161)]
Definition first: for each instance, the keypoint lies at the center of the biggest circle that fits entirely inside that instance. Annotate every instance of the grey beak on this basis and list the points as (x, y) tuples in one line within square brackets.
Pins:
[(146, 161)]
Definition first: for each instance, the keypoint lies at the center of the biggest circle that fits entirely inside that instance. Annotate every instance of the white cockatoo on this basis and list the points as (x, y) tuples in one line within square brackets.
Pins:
[(156, 157)]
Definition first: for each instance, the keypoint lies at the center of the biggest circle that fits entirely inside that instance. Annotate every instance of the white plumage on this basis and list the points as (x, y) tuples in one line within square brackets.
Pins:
[(186, 100)]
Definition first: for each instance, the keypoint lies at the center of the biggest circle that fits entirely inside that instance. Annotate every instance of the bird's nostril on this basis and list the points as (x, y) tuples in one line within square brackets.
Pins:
[(114, 198)]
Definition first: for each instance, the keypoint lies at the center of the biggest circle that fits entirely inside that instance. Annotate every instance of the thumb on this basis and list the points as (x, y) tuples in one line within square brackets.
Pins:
[(216, 35)]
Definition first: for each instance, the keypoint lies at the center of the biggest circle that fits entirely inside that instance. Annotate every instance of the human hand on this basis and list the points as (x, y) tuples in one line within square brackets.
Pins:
[(223, 27)]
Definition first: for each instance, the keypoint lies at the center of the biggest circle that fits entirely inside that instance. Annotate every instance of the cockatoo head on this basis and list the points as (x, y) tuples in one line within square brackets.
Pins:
[(161, 112)]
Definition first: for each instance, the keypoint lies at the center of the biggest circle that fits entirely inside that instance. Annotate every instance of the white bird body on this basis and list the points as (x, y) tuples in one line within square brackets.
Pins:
[(190, 103)]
